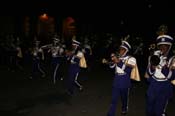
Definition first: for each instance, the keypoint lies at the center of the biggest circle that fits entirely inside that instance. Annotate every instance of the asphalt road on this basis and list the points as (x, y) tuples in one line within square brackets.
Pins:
[(21, 96)]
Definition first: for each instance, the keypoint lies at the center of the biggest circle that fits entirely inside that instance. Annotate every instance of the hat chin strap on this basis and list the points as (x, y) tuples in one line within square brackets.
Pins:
[(124, 53), (168, 50)]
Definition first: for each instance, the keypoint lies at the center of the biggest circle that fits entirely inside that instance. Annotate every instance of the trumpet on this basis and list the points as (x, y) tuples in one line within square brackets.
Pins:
[(104, 61), (112, 61), (154, 60), (46, 46)]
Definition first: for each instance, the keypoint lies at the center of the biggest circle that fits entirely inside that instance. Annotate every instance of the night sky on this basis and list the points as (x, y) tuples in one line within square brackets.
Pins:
[(131, 15)]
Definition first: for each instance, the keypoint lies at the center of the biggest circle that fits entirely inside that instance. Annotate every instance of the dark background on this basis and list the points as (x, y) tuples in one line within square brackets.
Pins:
[(22, 96), (103, 16)]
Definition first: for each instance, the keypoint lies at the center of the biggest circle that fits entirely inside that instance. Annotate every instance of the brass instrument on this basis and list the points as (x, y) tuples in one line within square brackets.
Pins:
[(105, 61), (154, 60), (46, 46), (152, 47)]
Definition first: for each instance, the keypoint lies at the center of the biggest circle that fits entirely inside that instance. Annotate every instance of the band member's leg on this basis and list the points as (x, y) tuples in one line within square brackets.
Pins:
[(124, 98)]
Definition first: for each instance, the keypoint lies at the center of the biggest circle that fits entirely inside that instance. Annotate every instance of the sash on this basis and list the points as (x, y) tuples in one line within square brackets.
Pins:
[(82, 62), (134, 72), (173, 82)]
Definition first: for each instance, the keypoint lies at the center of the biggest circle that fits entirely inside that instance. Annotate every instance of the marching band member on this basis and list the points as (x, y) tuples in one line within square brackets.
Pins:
[(19, 54), (37, 56), (74, 67), (57, 52), (160, 75), (123, 65), (87, 51)]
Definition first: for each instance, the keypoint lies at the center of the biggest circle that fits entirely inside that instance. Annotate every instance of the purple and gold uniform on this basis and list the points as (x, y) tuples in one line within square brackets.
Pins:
[(37, 55), (57, 52), (122, 79), (160, 78), (74, 68)]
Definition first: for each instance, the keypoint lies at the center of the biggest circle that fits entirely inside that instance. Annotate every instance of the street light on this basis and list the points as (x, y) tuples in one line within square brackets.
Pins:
[(44, 16)]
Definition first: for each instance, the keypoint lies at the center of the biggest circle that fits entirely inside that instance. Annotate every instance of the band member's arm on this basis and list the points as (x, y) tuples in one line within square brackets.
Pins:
[(49, 51), (19, 54), (42, 53), (46, 46), (172, 68), (61, 51), (112, 64), (80, 55)]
